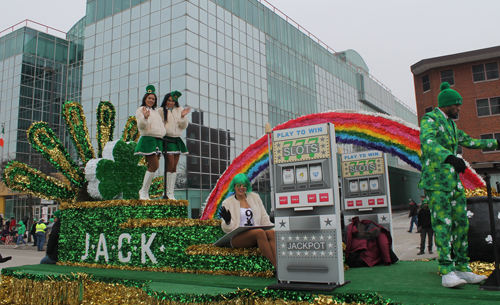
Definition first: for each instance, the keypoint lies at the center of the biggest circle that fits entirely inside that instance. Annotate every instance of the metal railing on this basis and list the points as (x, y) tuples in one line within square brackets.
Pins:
[(36, 26)]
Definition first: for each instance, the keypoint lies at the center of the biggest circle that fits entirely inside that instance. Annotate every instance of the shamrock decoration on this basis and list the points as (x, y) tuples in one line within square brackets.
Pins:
[(117, 173)]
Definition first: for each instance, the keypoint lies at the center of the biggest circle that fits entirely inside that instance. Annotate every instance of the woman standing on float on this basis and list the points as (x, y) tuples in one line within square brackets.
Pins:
[(150, 145), (175, 121)]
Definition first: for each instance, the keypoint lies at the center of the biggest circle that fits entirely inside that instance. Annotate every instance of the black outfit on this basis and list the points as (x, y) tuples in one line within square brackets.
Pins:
[(53, 243), (424, 220), (33, 232), (4, 259), (413, 216)]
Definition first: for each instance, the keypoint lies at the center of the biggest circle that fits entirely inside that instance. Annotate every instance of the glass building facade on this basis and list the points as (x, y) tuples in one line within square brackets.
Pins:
[(237, 63), (34, 85)]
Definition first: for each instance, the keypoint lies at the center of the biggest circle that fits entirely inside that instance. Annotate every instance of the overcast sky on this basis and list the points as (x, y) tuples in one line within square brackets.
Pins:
[(390, 35)]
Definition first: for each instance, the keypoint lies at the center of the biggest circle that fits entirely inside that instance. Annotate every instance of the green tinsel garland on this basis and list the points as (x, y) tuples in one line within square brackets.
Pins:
[(44, 140), (157, 187), (168, 248), (22, 178), (131, 131), (77, 127), (106, 114), (239, 294)]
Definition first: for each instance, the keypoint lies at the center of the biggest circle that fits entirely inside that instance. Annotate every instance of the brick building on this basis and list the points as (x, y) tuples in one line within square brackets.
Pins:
[(475, 76)]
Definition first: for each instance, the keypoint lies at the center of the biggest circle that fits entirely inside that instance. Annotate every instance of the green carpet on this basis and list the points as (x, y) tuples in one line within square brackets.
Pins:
[(411, 282), (406, 282)]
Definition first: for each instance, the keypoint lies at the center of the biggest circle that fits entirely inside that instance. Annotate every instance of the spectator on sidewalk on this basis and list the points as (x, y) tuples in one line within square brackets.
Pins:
[(424, 220), (33, 231), (6, 238), (20, 233), (25, 219), (40, 234), (12, 224), (53, 243), (413, 215)]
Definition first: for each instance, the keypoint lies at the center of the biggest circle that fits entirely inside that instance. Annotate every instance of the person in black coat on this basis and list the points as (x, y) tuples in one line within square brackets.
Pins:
[(413, 215), (424, 220), (33, 231), (53, 243)]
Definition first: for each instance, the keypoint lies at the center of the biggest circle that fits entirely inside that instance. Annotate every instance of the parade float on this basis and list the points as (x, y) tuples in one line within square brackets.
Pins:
[(116, 249)]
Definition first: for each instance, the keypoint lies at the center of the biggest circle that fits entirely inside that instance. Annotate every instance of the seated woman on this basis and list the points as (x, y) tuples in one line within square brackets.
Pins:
[(246, 209)]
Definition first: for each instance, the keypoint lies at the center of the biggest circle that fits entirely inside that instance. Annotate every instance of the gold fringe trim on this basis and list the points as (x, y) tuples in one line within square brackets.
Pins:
[(168, 222), (482, 268), (208, 249), (267, 273), (122, 203), (85, 290), (481, 191)]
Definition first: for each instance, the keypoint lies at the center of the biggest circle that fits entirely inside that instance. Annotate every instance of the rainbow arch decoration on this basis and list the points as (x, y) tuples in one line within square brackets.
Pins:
[(366, 129)]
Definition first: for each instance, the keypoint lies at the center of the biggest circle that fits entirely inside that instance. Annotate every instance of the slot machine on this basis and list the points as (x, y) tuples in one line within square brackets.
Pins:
[(365, 188), (307, 212)]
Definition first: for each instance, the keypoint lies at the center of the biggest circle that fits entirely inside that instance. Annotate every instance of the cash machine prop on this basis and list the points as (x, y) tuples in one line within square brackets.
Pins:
[(365, 187), (307, 212)]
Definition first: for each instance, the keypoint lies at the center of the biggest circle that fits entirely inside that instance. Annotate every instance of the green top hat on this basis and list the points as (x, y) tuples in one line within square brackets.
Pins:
[(175, 95), (58, 212), (448, 96), (150, 89)]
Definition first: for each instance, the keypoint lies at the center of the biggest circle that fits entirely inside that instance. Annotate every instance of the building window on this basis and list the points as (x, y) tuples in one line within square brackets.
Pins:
[(428, 109), (488, 106), (485, 71), (426, 83), (447, 76), (491, 136)]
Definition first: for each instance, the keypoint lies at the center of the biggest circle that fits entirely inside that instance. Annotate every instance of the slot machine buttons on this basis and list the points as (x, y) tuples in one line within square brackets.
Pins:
[(283, 200), (380, 200), (294, 199), (311, 198), (323, 197)]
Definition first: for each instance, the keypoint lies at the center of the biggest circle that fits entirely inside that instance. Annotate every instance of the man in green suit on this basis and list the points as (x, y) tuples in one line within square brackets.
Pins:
[(439, 140)]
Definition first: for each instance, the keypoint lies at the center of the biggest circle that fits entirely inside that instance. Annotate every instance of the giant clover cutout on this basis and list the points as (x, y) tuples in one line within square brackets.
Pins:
[(117, 174)]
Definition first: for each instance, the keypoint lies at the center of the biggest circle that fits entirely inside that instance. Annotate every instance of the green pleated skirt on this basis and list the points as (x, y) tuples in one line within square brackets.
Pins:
[(175, 146), (149, 146)]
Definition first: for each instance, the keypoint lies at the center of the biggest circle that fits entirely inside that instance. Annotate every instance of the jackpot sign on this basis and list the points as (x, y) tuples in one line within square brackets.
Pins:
[(301, 144)]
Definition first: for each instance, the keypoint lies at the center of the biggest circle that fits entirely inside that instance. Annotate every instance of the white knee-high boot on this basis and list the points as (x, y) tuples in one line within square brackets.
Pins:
[(171, 177), (146, 183)]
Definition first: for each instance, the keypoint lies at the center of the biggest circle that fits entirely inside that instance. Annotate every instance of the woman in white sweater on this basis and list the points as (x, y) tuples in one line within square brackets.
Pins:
[(175, 121), (245, 208), (150, 145)]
